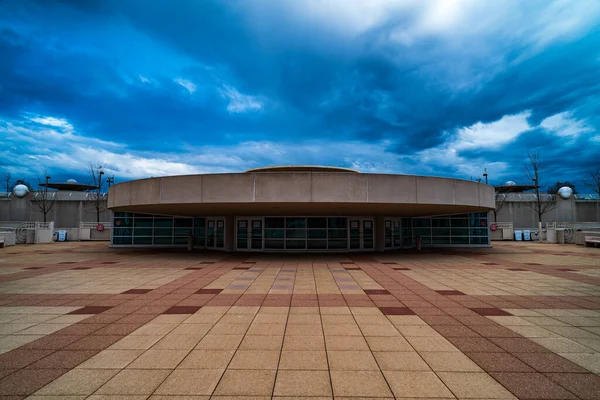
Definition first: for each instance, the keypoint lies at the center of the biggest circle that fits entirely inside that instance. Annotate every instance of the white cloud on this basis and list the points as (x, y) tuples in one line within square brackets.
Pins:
[(493, 134), (563, 124), (188, 85), (239, 103), (143, 79), (54, 122)]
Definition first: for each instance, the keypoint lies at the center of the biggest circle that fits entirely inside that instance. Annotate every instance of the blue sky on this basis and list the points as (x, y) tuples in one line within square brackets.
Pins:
[(445, 88)]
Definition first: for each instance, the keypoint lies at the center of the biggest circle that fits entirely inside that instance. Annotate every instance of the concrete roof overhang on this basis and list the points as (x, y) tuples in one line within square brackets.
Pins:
[(301, 193)]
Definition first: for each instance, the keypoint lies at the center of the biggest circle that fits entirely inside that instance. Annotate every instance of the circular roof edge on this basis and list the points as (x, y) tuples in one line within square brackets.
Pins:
[(301, 168)]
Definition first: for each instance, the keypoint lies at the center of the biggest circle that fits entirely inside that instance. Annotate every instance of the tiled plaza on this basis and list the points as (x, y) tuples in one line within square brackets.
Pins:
[(82, 321)]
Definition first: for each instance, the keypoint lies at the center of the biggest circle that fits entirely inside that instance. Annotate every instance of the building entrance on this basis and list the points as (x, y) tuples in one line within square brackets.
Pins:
[(361, 234), (249, 234), (215, 233)]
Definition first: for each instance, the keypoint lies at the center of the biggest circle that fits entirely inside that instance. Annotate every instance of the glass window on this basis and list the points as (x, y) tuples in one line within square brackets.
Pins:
[(337, 222), (274, 244), (440, 232), (182, 231), (337, 233), (460, 232), (295, 222), (479, 240), (421, 222), (295, 244), (163, 222), (183, 222), (460, 223), (440, 223), (163, 231), (271, 222), (479, 231), (142, 240), (316, 223), (122, 232), (123, 214), (460, 240), (180, 240), (143, 222), (275, 233), (142, 231), (163, 240), (421, 231), (317, 233), (440, 240), (122, 240), (338, 244), (317, 244), (295, 233)]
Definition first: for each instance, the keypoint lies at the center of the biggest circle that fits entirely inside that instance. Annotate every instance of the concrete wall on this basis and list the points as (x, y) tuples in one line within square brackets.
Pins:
[(523, 215), (65, 213)]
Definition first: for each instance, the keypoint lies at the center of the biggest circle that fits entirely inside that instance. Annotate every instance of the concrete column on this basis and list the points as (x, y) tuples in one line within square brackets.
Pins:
[(379, 233)]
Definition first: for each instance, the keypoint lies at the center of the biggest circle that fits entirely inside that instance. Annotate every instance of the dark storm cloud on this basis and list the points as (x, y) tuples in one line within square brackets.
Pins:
[(160, 76)]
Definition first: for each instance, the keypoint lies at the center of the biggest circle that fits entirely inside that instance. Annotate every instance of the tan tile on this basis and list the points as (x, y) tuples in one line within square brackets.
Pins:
[(304, 310), (303, 343), (406, 320), (372, 320), (43, 329), (270, 319), (198, 330), (341, 330), (304, 330), (453, 361), (431, 344), (255, 359), (78, 381), (190, 382), (359, 384), (114, 397), (202, 319), (111, 359), (366, 311), (159, 359), (220, 342), (303, 360), (170, 318), (379, 330), (136, 342), (177, 342), (228, 329), (469, 385), (400, 361), (274, 310), (304, 319), (134, 381), (382, 343), (294, 383), (253, 310), (252, 342), (207, 359), (532, 331), (244, 319), (333, 319), (417, 331), (154, 329), (561, 345), (591, 362), (335, 310), (346, 343), (348, 360), (246, 383), (266, 329), (416, 384)]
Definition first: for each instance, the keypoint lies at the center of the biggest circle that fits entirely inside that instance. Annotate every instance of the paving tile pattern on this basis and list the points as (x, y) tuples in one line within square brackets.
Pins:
[(516, 321)]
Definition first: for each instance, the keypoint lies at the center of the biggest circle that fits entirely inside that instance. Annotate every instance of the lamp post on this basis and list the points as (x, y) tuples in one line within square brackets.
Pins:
[(485, 174), (110, 180)]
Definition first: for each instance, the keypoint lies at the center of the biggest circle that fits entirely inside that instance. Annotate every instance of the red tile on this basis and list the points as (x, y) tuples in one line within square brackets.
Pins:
[(94, 342), (585, 386), (396, 311), (531, 385), (79, 268), (192, 268), (549, 362), (376, 291), (91, 310), (20, 358), (182, 310), (401, 269), (518, 345), (64, 359), (27, 381), (137, 291), (474, 344), (491, 312), (454, 331), (450, 292), (209, 291), (499, 362), (490, 331)]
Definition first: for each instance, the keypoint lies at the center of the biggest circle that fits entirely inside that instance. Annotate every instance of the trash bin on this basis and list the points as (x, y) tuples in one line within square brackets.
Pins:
[(527, 235), (560, 235), (62, 235), (518, 235)]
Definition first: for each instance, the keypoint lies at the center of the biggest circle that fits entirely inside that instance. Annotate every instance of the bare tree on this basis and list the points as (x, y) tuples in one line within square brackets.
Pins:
[(43, 201), (7, 179), (500, 200), (594, 180), (96, 201), (534, 170)]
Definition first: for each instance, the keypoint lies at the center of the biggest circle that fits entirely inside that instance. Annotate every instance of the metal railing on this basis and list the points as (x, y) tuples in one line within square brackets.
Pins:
[(93, 225)]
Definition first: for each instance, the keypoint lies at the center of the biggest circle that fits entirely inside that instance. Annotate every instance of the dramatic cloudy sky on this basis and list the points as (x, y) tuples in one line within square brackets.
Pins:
[(156, 88)]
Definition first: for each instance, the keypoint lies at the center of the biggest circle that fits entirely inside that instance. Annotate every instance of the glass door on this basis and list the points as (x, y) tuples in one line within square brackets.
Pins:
[(215, 233), (361, 234), (249, 234)]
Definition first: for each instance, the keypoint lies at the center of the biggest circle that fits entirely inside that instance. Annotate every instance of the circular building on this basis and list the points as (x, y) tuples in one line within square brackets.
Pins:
[(301, 208)]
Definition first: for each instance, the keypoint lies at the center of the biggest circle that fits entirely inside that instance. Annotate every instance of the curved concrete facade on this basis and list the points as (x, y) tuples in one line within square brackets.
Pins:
[(301, 193)]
